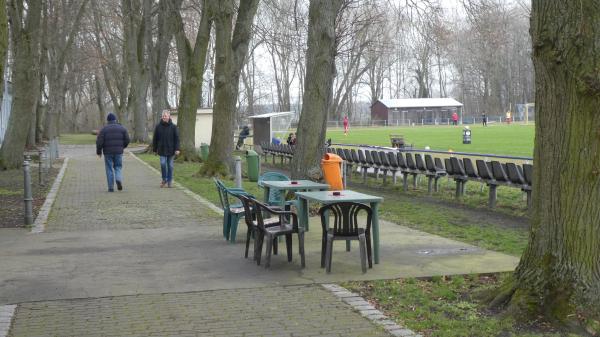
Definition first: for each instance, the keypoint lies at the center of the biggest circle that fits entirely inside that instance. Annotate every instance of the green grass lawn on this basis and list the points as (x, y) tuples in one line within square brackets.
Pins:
[(77, 139), (500, 139)]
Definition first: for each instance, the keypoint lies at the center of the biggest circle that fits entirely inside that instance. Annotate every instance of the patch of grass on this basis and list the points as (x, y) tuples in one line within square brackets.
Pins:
[(443, 306), (186, 173), (500, 139), (77, 139), (5, 192)]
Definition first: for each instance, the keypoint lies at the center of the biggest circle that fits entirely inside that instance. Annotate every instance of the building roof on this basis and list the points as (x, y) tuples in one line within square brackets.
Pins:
[(272, 114), (420, 102)]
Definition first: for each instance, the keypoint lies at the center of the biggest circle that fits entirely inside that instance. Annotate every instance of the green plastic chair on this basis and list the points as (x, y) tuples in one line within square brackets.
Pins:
[(276, 197), (232, 211)]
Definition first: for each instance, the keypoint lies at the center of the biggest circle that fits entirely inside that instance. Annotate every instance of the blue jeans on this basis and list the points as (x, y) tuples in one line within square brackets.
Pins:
[(113, 163), (166, 168)]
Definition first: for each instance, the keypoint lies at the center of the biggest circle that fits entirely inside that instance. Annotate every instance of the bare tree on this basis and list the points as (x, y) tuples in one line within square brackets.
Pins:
[(318, 87), (231, 50), (3, 43), (64, 20), (192, 63), (24, 31)]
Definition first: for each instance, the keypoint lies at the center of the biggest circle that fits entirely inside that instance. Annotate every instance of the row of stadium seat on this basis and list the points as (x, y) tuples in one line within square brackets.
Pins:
[(492, 173)]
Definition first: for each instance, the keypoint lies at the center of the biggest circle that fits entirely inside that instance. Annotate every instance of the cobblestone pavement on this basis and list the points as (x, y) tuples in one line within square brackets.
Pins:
[(276, 311), (158, 245), (85, 204)]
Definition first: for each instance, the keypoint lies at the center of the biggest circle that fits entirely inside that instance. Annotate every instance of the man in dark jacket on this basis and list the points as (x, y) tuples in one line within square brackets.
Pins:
[(166, 144), (111, 141)]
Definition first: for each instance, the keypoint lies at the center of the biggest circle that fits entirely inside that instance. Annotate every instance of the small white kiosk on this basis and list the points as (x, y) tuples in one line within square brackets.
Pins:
[(203, 133)]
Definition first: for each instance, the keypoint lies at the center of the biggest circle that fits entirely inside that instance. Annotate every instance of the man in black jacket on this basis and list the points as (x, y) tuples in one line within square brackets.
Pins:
[(165, 143), (111, 141)]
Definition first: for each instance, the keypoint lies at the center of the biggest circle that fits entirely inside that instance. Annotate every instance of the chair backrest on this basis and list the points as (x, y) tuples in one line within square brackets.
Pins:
[(528, 174), (498, 171), (469, 168), (392, 159), (345, 217), (410, 162), (354, 156), (448, 165), (457, 167), (383, 159), (483, 170), (368, 157), (262, 211), (375, 158), (429, 164), (514, 174), (361, 156), (275, 195), (249, 209), (420, 163), (401, 161), (220, 190), (439, 165), (348, 156)]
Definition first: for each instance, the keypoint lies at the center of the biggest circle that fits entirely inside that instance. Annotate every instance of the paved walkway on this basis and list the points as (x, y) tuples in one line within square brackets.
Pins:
[(148, 261)]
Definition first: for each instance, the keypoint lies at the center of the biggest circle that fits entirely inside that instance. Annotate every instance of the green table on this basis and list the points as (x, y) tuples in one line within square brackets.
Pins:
[(327, 197), (300, 185)]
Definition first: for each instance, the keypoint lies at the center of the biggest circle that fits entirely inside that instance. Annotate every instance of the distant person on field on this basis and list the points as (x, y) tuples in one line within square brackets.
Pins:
[(484, 119), (346, 125), (508, 117), (165, 143), (242, 136), (112, 140), (454, 118)]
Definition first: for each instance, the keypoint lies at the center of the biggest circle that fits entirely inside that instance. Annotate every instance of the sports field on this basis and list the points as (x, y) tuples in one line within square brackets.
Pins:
[(499, 139)]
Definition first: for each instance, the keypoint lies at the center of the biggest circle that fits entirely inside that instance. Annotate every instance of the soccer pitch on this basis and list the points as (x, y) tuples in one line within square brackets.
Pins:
[(499, 139)]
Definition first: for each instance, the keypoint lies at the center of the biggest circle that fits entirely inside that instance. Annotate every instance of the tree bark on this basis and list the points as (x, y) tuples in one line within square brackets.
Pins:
[(230, 54), (192, 62), (3, 44), (160, 54), (134, 26), (25, 41), (318, 88), (559, 272)]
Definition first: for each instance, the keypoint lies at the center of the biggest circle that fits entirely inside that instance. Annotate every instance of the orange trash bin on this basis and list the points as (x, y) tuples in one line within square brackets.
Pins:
[(331, 164)]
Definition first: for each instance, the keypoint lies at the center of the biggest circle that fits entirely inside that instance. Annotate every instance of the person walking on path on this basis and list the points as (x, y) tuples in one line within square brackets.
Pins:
[(484, 119), (346, 125), (112, 140), (454, 118), (165, 143)]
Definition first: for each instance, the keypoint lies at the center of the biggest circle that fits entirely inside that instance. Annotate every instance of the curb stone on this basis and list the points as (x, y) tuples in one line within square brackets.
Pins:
[(39, 226), (6, 315), (368, 311)]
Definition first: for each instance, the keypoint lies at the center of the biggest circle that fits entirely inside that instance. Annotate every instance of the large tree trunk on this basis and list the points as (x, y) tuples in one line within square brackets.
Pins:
[(230, 54), (559, 271), (3, 44), (160, 54), (25, 41), (192, 68), (318, 88), (134, 26)]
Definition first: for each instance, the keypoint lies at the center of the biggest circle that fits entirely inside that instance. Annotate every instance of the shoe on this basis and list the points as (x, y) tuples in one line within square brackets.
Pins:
[(119, 185), (111, 190), (169, 184), (163, 184)]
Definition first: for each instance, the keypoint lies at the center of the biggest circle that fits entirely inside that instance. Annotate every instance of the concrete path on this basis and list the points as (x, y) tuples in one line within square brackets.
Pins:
[(147, 261)]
